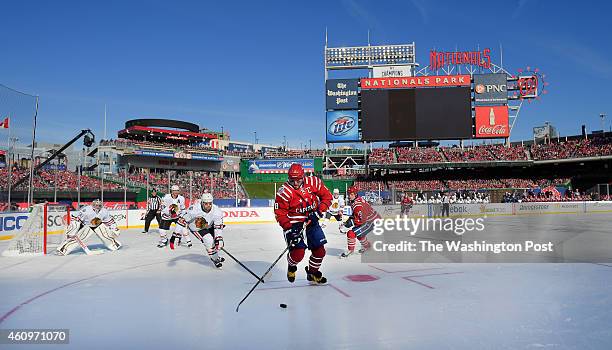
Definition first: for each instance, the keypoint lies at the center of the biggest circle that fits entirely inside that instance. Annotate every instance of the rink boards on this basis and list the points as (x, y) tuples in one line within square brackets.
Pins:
[(11, 222)]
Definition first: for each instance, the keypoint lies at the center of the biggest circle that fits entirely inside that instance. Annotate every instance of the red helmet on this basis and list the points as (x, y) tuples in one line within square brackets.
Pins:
[(296, 172), (353, 190)]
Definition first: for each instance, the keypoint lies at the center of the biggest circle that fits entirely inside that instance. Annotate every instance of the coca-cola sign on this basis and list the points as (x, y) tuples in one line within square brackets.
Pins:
[(492, 122)]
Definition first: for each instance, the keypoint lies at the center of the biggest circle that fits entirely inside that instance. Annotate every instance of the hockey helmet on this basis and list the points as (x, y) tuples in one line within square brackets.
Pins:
[(336, 191), (207, 197), (174, 188), (296, 172)]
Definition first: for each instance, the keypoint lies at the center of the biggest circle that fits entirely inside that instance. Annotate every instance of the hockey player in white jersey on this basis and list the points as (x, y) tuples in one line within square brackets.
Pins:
[(336, 209), (172, 206), (205, 221), (90, 219)]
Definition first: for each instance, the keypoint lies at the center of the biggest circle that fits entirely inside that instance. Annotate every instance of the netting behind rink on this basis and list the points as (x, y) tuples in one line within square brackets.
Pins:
[(42, 231)]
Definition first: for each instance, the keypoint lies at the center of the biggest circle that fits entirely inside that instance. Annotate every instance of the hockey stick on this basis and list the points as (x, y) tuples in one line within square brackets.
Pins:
[(85, 248), (261, 280), (241, 264)]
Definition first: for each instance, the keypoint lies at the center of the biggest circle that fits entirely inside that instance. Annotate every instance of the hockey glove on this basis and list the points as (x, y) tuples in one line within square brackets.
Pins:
[(218, 243), (315, 216), (294, 235)]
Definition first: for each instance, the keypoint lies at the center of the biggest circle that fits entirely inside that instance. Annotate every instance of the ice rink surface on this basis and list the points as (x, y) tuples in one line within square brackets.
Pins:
[(143, 297)]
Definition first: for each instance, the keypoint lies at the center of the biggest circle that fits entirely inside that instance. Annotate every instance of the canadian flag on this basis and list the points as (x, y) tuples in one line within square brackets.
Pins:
[(5, 123)]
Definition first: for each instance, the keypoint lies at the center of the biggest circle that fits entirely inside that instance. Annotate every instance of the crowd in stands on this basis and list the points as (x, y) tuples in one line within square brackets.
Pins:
[(45, 180), (418, 155), (549, 195), (382, 156), (459, 197), (480, 153), (160, 145), (601, 146), (220, 187)]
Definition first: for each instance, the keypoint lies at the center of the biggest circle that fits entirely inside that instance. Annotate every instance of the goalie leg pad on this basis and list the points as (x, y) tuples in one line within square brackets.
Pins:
[(71, 243), (108, 237)]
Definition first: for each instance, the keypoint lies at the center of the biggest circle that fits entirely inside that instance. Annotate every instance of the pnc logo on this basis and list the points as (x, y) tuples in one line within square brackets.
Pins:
[(482, 88), (342, 125)]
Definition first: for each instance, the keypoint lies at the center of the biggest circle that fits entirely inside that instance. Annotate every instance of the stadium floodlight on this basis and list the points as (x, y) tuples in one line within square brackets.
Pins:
[(367, 56)]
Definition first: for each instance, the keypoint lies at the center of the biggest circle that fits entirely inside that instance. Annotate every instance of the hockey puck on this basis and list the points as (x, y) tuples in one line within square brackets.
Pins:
[(284, 306)]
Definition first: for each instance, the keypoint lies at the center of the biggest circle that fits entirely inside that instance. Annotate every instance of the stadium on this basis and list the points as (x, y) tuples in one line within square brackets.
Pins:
[(424, 138)]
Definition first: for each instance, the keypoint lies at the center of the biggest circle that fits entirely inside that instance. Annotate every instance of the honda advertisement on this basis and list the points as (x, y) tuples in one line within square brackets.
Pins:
[(490, 89), (341, 93), (341, 126), (492, 122), (278, 166)]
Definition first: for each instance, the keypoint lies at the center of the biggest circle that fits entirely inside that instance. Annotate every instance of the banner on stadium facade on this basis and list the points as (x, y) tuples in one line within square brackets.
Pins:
[(265, 150), (416, 82), (341, 126), (392, 71), (341, 93), (231, 164), (492, 122), (278, 166), (177, 155), (490, 89), (239, 147)]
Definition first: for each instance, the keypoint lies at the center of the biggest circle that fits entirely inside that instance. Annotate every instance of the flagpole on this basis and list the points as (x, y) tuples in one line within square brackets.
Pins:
[(10, 168)]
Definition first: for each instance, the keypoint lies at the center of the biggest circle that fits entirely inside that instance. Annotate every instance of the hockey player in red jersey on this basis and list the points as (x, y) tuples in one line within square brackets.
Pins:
[(406, 204), (298, 208), (359, 224)]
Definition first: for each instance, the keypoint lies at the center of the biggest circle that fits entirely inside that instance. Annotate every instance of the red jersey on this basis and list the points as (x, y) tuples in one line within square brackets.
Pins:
[(293, 205), (406, 201), (363, 212)]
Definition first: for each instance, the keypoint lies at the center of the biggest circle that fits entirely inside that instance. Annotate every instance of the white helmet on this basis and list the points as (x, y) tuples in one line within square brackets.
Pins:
[(175, 188), (207, 197), (336, 191)]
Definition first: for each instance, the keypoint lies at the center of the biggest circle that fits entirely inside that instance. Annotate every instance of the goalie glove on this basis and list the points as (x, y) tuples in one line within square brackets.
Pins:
[(219, 243)]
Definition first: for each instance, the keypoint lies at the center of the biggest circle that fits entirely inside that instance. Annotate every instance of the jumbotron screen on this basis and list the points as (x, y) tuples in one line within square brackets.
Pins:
[(408, 114)]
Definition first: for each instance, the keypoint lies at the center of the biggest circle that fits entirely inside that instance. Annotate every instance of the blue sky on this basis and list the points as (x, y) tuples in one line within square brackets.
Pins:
[(257, 66)]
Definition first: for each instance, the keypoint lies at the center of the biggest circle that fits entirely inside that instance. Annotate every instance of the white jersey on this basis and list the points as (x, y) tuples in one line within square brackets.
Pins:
[(337, 205), (87, 216), (214, 218), (168, 202)]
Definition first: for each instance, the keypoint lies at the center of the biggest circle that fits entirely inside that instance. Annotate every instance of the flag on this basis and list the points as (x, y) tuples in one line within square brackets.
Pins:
[(5, 123)]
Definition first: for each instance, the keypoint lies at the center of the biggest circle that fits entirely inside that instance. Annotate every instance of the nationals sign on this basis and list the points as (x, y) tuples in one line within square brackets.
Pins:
[(415, 82), (492, 121)]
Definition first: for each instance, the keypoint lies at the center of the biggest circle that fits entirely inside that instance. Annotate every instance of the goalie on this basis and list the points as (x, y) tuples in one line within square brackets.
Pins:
[(90, 219), (205, 221)]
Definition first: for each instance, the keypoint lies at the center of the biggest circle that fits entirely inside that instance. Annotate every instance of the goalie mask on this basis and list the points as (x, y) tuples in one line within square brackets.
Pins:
[(96, 205)]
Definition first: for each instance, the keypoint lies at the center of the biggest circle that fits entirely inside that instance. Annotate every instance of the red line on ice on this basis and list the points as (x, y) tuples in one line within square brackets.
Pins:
[(417, 282), (434, 274), (340, 290), (425, 269)]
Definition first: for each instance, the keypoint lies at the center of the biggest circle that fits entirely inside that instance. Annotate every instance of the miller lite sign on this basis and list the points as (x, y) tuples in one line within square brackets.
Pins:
[(492, 122), (342, 126)]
